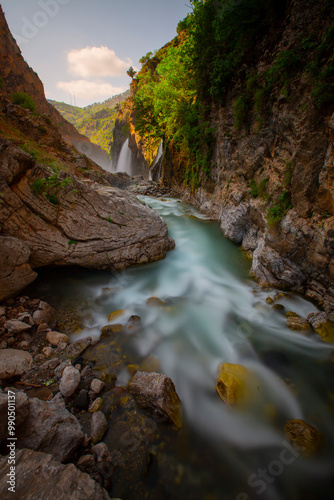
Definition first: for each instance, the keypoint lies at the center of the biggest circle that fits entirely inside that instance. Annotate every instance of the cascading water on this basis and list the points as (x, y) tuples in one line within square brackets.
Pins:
[(210, 313), (125, 159), (154, 173)]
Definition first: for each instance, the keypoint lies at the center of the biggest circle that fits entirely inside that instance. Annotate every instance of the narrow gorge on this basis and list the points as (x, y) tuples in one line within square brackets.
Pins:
[(167, 281)]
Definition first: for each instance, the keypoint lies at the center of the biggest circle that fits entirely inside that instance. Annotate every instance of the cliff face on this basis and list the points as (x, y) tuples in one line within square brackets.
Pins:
[(17, 76), (271, 179)]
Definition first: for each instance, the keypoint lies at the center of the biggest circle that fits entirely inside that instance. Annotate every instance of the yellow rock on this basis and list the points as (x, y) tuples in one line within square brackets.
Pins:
[(233, 383), (117, 314), (303, 436), (154, 301)]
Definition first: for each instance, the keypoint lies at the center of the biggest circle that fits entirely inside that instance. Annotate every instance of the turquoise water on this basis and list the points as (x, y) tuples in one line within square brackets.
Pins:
[(214, 313)]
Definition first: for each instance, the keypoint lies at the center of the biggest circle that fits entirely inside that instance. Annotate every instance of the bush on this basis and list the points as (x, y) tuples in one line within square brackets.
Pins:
[(24, 100)]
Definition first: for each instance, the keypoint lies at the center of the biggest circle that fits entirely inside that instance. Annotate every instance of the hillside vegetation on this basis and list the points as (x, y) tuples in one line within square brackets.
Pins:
[(95, 121)]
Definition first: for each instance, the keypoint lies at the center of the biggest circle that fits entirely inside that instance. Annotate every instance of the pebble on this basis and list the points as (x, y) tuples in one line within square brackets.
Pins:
[(43, 328), (11, 341), (99, 426), (96, 405), (97, 385), (3, 345), (69, 381), (86, 461), (14, 326), (59, 370), (23, 345)]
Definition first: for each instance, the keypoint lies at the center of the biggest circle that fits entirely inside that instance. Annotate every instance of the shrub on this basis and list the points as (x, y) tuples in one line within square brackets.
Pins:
[(24, 100)]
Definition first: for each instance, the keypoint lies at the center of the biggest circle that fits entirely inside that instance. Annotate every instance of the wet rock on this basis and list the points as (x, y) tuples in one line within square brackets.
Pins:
[(70, 381), (117, 314), (21, 411), (298, 324), (270, 300), (99, 426), (56, 338), (278, 307), (134, 320), (14, 362), (323, 326), (50, 428), (109, 329), (233, 384), (97, 386), (75, 349), (154, 302), (303, 436), (15, 326), (39, 475), (156, 394), (96, 405), (81, 400), (44, 313), (291, 314)]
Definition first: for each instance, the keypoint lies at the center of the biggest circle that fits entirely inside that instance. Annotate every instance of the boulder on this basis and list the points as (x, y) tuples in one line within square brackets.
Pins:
[(21, 411), (156, 394), (56, 338), (14, 362), (99, 426), (303, 436), (70, 381), (15, 326), (39, 475), (323, 326), (50, 428), (233, 384), (15, 270)]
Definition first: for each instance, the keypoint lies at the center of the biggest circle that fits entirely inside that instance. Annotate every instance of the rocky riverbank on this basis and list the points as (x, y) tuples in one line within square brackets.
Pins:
[(63, 408)]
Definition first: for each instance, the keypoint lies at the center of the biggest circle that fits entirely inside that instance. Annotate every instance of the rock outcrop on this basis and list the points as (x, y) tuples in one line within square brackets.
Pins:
[(39, 475), (67, 221)]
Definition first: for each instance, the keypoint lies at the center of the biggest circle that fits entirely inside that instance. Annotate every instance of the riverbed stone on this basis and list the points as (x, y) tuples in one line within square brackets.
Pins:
[(15, 326), (99, 426), (97, 386), (96, 405), (60, 368), (323, 326), (70, 381), (14, 362), (56, 338), (303, 436), (233, 383), (298, 324), (154, 302), (156, 394), (117, 314), (40, 476), (76, 348), (50, 428)]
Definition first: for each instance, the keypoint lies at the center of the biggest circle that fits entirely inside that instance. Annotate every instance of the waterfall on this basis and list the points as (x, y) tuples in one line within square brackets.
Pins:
[(124, 163), (154, 173)]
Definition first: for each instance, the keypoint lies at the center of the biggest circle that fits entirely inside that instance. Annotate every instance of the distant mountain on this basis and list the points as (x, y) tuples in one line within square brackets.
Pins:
[(95, 121)]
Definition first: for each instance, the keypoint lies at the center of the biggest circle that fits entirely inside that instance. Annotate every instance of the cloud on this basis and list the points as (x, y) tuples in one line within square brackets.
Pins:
[(85, 89), (96, 62)]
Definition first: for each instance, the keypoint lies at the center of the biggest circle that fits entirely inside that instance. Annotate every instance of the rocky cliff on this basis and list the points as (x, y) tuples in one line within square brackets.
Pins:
[(57, 207), (270, 181), (17, 76)]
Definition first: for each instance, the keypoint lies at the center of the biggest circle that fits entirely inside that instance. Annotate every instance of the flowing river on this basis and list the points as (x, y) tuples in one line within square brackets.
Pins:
[(214, 313)]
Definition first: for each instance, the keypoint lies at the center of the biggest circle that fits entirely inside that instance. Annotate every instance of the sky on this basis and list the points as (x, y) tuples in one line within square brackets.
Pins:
[(81, 49)]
